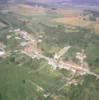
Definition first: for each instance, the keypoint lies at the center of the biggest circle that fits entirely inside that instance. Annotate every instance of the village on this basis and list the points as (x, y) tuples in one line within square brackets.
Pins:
[(30, 48)]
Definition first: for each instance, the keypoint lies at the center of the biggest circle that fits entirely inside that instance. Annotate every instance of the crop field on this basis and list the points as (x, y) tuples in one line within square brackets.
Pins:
[(74, 18), (97, 28), (74, 21), (68, 12), (77, 21), (28, 10)]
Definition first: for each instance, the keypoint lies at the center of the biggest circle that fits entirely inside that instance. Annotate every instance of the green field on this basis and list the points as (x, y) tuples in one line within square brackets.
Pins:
[(23, 78)]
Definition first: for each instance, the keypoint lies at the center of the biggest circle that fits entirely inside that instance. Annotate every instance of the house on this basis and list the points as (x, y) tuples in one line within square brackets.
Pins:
[(2, 52)]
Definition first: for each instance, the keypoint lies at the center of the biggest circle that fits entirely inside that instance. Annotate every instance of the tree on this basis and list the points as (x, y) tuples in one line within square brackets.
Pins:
[(92, 18)]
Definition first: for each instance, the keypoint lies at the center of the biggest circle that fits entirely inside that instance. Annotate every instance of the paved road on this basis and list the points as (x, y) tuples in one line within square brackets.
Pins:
[(66, 66)]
